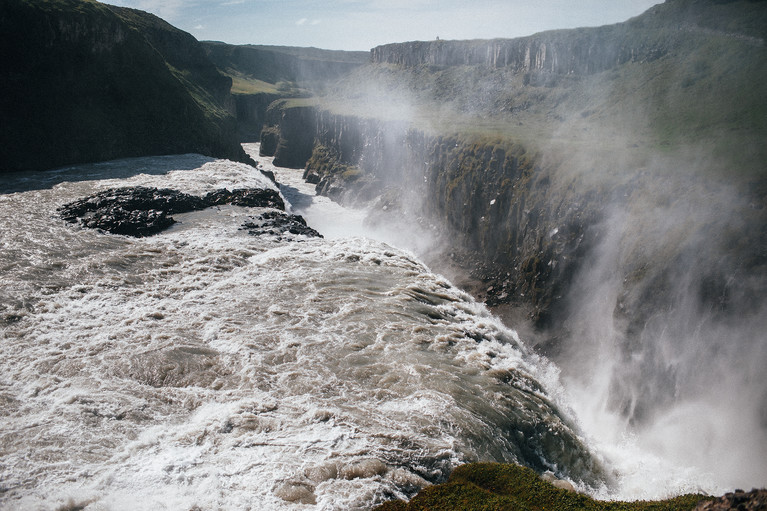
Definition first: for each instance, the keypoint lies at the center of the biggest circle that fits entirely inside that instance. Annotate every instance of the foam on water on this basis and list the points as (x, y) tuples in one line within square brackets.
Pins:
[(207, 367), (658, 463)]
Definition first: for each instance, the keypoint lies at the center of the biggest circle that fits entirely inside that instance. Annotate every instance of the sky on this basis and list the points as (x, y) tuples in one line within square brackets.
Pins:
[(364, 24)]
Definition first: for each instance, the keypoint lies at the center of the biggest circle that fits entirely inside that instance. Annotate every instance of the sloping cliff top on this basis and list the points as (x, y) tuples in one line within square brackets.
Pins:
[(304, 67)]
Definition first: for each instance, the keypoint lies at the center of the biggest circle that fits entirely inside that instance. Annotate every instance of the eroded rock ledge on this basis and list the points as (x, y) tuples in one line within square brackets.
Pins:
[(142, 211)]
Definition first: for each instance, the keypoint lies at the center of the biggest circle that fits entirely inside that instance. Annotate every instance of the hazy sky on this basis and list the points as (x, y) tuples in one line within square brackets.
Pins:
[(363, 24)]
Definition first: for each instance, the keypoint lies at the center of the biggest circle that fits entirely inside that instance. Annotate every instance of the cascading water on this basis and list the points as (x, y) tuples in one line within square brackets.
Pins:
[(205, 366)]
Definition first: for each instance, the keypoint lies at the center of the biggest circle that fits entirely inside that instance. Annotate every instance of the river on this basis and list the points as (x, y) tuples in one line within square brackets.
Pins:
[(208, 368)]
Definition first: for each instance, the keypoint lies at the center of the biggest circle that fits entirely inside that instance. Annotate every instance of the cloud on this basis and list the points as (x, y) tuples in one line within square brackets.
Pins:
[(233, 2), (306, 21)]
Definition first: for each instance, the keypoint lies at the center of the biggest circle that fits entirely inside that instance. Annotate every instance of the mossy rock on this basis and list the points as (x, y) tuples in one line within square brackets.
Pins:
[(501, 487), (270, 138)]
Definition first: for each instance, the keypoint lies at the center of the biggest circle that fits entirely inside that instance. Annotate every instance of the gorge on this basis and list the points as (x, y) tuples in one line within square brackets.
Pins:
[(601, 190)]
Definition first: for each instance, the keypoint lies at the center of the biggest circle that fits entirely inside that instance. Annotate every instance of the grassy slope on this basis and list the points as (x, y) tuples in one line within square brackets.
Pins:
[(501, 487), (284, 70)]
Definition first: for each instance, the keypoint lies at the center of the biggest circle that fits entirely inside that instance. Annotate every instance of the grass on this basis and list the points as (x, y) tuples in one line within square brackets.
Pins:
[(245, 85), (502, 487)]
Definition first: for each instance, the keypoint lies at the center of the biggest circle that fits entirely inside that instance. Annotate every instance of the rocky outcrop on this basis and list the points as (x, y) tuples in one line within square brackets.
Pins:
[(293, 127), (81, 81), (491, 196), (279, 224), (579, 52), (739, 500), (141, 211)]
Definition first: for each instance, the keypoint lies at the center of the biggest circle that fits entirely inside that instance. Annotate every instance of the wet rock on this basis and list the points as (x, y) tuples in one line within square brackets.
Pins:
[(562, 484), (142, 211), (754, 500), (311, 177), (270, 137), (133, 199), (137, 211), (247, 197), (277, 223)]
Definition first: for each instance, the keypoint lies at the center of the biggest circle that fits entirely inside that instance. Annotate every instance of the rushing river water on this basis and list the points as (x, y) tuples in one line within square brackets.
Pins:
[(207, 368)]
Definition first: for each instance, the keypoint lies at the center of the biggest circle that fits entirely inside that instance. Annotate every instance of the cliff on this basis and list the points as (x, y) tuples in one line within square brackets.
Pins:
[(491, 196), (81, 81), (294, 140), (619, 199), (264, 74), (582, 52), (588, 51)]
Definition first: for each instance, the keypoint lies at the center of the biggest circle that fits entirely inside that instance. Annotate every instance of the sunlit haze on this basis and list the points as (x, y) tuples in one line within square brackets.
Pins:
[(363, 24)]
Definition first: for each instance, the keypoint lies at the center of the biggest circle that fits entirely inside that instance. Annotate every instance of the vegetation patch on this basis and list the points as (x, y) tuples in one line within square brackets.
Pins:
[(502, 487)]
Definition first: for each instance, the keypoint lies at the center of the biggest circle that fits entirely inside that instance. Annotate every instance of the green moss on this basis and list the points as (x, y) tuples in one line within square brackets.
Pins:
[(351, 174), (324, 161), (500, 487)]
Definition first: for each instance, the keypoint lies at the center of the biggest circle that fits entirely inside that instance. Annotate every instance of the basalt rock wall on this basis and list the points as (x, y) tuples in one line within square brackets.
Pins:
[(250, 110), (291, 129), (580, 52), (491, 198)]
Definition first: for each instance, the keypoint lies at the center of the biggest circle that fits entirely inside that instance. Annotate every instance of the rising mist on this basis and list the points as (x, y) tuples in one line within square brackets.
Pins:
[(636, 199)]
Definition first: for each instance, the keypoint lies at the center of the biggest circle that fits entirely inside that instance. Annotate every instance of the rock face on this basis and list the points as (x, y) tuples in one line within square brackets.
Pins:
[(586, 51), (251, 114), (141, 211), (492, 196), (580, 52), (277, 223), (81, 81), (739, 500), (296, 133)]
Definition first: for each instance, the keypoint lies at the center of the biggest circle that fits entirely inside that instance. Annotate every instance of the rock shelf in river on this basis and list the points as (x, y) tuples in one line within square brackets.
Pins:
[(143, 211)]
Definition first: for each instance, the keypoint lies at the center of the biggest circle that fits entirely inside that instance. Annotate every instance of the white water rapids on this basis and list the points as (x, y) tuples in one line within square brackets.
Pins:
[(206, 368)]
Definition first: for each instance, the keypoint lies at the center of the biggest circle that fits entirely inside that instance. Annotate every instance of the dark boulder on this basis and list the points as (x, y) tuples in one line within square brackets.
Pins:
[(277, 223), (247, 197), (754, 500), (133, 198), (141, 211)]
